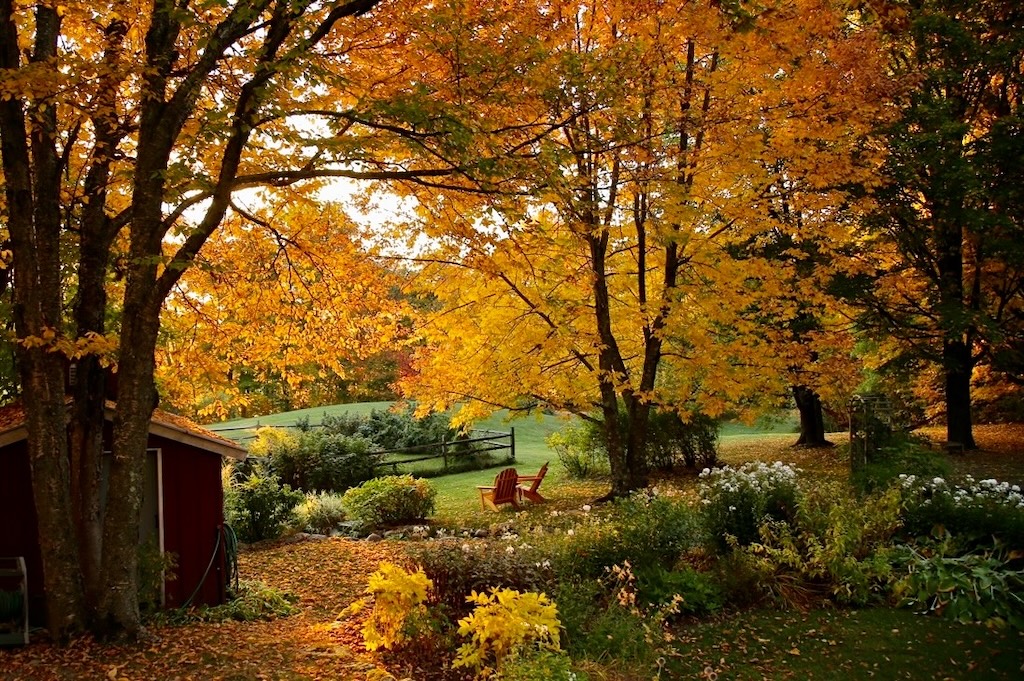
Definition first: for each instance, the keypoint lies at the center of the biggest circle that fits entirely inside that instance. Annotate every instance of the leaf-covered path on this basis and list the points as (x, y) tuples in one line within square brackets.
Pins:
[(326, 575)]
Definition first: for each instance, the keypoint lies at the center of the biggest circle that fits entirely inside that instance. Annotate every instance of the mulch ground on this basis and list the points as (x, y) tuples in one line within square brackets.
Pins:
[(328, 575)]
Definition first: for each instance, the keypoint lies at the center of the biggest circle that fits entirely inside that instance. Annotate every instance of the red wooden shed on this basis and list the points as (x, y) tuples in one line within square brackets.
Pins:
[(182, 507)]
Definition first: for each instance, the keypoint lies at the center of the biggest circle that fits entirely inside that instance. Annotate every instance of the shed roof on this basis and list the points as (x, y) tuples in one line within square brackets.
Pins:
[(163, 424)]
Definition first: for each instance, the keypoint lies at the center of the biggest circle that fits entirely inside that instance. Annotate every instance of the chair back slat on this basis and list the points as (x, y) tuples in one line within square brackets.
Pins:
[(505, 486)]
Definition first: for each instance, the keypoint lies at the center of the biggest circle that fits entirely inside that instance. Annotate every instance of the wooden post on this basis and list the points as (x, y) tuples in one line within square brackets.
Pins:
[(512, 442), (444, 452)]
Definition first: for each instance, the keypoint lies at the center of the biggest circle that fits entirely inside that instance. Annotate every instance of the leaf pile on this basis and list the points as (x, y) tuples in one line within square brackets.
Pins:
[(326, 576)]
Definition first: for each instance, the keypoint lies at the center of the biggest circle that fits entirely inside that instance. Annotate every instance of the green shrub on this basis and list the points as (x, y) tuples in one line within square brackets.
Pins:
[(252, 601), (839, 547), (389, 500), (598, 627), (974, 512), (978, 587), (315, 460), (154, 568), (458, 568), (460, 463), (259, 507), (903, 456), (581, 450), (539, 665), (698, 591), (319, 512), (673, 442), (402, 430), (643, 529), (735, 501)]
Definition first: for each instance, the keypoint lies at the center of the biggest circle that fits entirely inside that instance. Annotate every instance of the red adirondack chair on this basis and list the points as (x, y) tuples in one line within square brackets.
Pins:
[(503, 491), (529, 490)]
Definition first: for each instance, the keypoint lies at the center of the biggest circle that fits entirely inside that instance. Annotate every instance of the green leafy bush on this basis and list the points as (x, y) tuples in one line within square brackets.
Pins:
[(673, 442), (902, 456), (259, 506), (581, 450), (735, 501), (974, 512), (695, 593), (458, 568), (319, 512), (154, 568), (838, 547), (594, 623), (643, 529), (402, 430), (252, 601), (316, 460), (978, 587), (539, 665), (389, 500)]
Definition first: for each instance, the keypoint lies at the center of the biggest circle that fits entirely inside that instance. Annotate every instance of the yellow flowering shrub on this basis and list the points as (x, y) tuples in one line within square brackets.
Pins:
[(505, 621), (398, 597)]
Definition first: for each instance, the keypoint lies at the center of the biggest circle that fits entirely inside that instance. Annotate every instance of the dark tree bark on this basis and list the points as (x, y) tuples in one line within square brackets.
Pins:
[(812, 418), (96, 236), (32, 170), (957, 368)]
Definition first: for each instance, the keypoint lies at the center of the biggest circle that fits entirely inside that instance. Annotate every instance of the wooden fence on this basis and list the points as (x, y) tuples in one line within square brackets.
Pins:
[(449, 452)]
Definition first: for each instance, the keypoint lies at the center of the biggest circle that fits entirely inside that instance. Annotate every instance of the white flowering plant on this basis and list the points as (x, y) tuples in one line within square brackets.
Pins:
[(736, 501), (972, 511)]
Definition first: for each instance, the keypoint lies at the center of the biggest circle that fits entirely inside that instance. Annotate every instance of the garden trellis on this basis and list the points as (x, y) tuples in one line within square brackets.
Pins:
[(871, 427)]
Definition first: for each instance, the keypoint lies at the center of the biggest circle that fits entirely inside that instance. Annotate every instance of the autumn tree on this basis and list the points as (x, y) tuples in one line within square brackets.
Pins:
[(946, 288), (605, 291), (126, 129)]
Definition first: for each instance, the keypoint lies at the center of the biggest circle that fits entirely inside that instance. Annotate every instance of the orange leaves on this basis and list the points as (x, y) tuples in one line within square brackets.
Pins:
[(295, 299)]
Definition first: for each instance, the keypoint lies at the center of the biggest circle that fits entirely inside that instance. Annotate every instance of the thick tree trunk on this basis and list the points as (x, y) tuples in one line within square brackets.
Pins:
[(42, 380), (86, 442), (957, 366), (119, 614), (31, 168), (812, 418), (626, 441)]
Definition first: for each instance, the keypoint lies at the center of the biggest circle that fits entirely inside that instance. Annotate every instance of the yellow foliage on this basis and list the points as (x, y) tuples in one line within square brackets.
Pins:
[(615, 265), (397, 597), (506, 621)]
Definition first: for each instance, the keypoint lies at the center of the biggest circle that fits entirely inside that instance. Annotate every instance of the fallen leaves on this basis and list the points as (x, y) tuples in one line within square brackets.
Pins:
[(326, 575)]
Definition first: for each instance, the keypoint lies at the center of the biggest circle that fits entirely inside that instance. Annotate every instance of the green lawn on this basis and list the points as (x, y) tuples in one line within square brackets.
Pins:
[(876, 643)]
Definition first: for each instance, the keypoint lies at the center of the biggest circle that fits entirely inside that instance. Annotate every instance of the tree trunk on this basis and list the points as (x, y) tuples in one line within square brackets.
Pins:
[(119, 615), (957, 366), (31, 170), (86, 442), (812, 419), (42, 381)]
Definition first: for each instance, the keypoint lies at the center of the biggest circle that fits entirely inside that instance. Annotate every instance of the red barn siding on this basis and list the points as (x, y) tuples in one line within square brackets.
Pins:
[(193, 517), (192, 512), (18, 518)]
